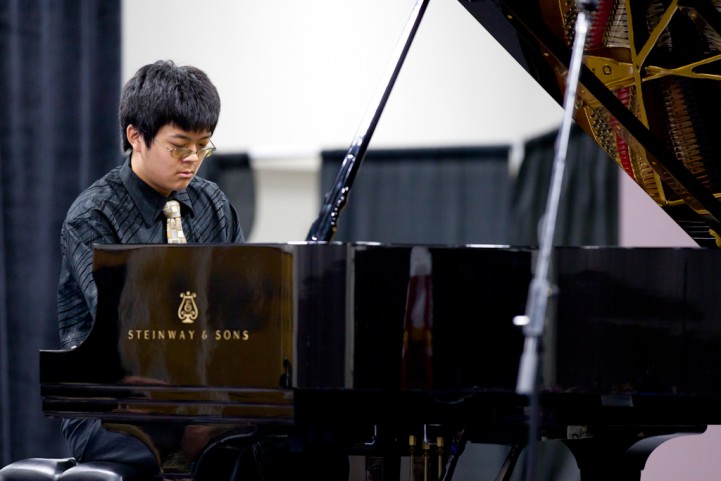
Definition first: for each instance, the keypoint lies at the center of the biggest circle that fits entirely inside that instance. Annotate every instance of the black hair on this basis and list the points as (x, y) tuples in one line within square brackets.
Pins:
[(164, 93)]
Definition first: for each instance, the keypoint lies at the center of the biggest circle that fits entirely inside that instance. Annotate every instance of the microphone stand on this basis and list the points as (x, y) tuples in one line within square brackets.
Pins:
[(540, 288)]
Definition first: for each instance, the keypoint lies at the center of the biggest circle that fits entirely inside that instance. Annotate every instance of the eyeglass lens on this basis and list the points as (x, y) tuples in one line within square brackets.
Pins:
[(181, 153)]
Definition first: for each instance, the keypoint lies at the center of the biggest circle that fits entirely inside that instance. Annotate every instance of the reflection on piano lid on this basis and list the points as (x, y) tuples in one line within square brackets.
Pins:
[(649, 90)]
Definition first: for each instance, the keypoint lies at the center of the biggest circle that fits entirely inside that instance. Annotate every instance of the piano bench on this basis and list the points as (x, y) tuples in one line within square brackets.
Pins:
[(102, 471), (36, 469)]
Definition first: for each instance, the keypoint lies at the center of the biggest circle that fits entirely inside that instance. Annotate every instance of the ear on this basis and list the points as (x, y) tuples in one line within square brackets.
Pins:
[(134, 137)]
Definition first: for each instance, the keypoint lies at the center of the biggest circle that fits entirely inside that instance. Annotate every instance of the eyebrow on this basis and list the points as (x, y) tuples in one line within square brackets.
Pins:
[(188, 138)]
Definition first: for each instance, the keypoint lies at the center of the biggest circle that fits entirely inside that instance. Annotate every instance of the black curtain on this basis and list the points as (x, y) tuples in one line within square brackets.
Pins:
[(588, 207), (449, 195), (233, 174), (59, 90), (468, 196)]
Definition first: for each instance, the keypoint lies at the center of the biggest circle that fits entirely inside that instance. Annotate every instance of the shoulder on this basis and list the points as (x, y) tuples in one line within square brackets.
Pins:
[(201, 184), (210, 202), (206, 191), (103, 193)]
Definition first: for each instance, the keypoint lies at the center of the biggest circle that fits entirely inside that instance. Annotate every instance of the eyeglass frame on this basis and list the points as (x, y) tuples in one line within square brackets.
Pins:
[(188, 152)]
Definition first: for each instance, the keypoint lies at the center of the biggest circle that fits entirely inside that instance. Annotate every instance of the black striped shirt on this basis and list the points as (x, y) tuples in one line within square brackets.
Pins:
[(120, 208)]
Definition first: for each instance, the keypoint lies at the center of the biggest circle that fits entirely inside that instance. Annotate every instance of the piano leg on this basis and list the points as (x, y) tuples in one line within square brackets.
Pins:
[(509, 465)]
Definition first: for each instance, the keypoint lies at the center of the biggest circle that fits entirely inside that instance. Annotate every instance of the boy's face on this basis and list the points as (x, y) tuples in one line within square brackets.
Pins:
[(157, 167)]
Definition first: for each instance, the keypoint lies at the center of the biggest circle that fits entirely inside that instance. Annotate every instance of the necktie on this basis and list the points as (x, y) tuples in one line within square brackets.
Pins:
[(175, 226)]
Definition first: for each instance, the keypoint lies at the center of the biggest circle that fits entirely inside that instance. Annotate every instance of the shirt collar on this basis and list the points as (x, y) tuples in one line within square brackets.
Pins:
[(149, 201)]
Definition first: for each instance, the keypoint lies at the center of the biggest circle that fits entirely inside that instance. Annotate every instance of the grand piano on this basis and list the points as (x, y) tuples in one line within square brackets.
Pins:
[(394, 351)]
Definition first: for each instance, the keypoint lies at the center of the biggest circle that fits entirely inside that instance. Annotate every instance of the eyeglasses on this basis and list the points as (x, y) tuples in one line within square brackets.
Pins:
[(183, 152)]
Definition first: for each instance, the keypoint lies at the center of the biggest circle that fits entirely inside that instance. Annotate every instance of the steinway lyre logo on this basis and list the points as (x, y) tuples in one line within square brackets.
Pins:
[(188, 310)]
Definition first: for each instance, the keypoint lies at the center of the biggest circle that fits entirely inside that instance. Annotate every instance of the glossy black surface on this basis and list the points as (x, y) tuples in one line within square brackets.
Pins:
[(632, 342)]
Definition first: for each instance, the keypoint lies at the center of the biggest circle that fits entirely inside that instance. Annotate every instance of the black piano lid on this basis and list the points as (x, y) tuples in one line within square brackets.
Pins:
[(649, 90)]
